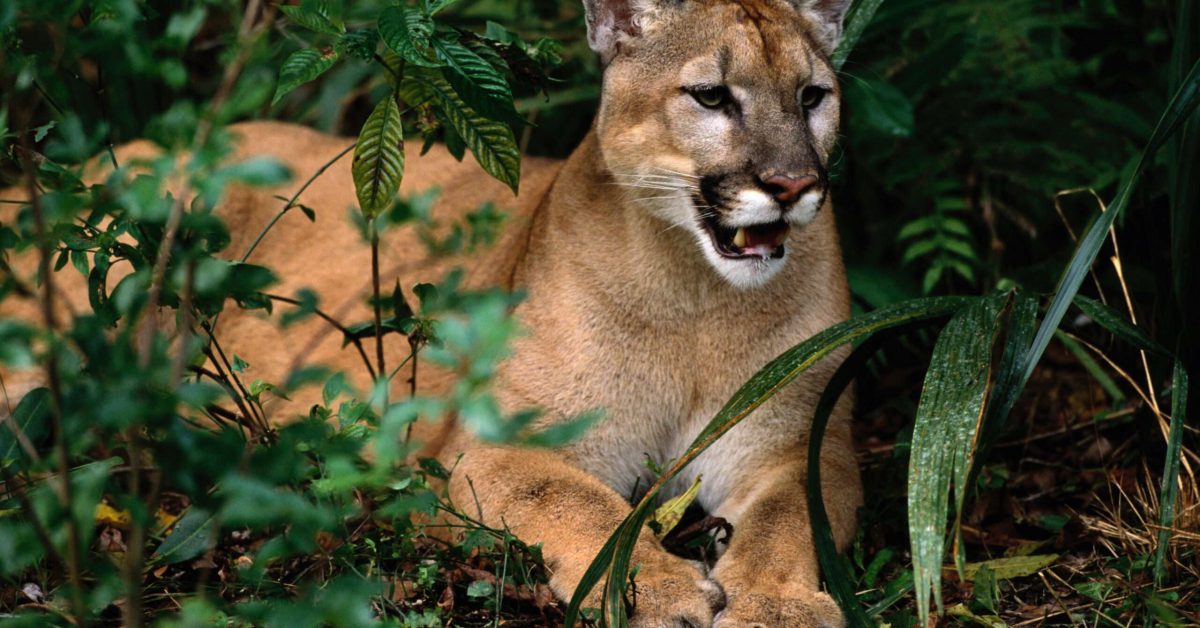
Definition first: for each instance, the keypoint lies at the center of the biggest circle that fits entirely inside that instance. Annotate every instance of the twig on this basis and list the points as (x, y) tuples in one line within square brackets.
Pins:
[(74, 556), (377, 305), (336, 325), (292, 201)]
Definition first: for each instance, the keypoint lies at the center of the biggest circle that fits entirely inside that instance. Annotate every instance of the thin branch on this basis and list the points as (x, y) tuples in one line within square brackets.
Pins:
[(291, 202), (335, 324)]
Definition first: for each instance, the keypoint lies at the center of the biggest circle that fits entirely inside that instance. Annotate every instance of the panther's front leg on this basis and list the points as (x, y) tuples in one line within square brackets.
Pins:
[(544, 499), (769, 571)]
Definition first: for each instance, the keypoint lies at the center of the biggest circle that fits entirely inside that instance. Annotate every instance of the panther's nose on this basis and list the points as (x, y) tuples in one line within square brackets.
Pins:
[(785, 189)]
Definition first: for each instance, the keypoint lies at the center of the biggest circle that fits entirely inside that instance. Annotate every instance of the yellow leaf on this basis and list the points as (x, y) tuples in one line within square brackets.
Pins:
[(164, 519), (108, 515), (668, 515)]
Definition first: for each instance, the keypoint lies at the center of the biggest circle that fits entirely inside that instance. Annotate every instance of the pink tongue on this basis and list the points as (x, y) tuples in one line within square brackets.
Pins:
[(769, 235)]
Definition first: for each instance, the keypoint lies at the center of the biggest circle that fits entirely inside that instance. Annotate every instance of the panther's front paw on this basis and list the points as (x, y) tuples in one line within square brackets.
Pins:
[(810, 609), (673, 594)]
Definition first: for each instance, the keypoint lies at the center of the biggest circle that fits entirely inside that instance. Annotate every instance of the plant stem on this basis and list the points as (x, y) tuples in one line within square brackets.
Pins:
[(336, 325), (292, 201), (377, 304), (74, 557)]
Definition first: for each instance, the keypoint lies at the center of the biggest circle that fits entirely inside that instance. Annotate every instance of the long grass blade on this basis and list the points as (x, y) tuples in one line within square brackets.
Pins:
[(946, 432), (1169, 493), (1182, 104)]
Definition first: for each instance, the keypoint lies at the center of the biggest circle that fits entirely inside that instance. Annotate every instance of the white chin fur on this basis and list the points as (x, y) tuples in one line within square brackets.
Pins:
[(744, 273)]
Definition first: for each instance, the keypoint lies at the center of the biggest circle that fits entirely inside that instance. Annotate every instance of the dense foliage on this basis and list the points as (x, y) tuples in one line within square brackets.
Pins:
[(979, 136)]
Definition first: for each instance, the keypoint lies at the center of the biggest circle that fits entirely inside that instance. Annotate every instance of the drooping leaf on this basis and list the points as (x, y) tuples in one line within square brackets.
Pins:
[(359, 43), (1118, 325), (883, 108), (379, 158), (490, 141), (301, 67), (948, 423), (32, 418), (407, 32)]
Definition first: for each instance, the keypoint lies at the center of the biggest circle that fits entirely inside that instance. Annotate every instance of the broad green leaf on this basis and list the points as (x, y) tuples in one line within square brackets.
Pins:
[(191, 536), (407, 32), (312, 20), (880, 107), (490, 141), (614, 557), (359, 43), (947, 427), (301, 67), (671, 512), (379, 158)]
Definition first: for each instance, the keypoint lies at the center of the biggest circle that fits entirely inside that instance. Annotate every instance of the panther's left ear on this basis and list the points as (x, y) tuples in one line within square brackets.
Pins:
[(826, 18)]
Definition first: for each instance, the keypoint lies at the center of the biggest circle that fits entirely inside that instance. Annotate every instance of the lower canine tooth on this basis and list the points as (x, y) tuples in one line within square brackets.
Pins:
[(739, 238)]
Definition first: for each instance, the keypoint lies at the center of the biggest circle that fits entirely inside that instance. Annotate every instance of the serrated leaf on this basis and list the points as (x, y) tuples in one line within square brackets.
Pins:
[(948, 422), (379, 158), (490, 141), (301, 67), (407, 32), (311, 20)]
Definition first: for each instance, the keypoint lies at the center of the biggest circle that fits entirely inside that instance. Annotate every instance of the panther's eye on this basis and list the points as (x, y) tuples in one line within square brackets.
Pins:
[(811, 96), (710, 96)]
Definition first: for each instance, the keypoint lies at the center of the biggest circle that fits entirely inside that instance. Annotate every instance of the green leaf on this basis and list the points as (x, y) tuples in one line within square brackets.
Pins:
[(1007, 568), (379, 158), (301, 67), (1118, 325), (481, 588), (32, 417), (879, 106), (945, 432), (481, 86), (312, 20), (407, 32), (490, 141), (1182, 105), (191, 536), (1169, 491), (857, 20), (358, 43), (985, 588)]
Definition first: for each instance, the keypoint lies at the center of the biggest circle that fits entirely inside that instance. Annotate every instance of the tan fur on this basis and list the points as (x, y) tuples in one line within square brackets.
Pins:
[(624, 311)]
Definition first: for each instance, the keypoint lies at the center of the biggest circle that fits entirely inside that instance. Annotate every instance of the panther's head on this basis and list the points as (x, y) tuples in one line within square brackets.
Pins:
[(719, 116)]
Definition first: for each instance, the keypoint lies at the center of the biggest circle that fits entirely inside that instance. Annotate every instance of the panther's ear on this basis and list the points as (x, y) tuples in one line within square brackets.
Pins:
[(611, 22), (826, 18)]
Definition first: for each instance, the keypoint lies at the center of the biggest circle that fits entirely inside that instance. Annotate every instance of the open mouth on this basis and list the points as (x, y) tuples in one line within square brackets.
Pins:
[(763, 241)]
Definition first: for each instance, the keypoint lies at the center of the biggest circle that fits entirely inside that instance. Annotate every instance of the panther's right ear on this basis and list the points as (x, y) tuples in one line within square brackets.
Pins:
[(612, 22)]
